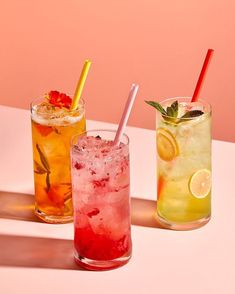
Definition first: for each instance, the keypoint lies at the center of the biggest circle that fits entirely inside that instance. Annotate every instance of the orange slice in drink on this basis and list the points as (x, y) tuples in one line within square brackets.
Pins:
[(200, 183), (167, 146)]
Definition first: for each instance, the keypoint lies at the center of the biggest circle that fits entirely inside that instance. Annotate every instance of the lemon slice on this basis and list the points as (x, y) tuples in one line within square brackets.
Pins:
[(167, 146), (200, 183)]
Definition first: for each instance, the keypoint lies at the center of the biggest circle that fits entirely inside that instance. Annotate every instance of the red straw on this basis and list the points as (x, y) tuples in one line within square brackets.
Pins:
[(126, 113), (202, 75)]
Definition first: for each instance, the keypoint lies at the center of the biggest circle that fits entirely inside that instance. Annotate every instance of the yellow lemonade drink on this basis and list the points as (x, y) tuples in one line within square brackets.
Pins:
[(184, 163), (53, 125)]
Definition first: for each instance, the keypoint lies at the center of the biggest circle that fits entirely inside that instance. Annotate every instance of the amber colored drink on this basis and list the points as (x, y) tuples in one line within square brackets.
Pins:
[(53, 125)]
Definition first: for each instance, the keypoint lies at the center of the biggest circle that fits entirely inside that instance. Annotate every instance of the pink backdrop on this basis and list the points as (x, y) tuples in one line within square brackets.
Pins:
[(158, 44)]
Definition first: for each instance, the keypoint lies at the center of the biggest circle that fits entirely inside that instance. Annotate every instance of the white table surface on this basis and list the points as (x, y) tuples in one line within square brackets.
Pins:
[(37, 258)]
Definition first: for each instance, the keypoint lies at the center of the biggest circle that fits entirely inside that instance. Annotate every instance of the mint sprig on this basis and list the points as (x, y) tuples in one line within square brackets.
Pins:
[(171, 112), (157, 106), (43, 159), (45, 168)]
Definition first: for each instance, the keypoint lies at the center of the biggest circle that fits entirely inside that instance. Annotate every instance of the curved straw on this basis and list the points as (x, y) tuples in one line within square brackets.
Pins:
[(80, 85), (126, 113), (202, 75)]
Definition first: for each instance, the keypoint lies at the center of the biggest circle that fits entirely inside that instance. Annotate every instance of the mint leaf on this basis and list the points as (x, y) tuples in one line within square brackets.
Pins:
[(157, 106), (45, 164), (38, 169), (175, 107), (43, 158), (48, 182), (170, 111), (192, 113)]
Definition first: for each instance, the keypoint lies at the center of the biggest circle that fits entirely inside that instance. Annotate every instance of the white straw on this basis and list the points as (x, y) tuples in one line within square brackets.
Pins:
[(126, 113)]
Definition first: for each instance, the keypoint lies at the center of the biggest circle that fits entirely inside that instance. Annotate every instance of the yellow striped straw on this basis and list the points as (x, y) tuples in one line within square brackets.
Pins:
[(80, 85)]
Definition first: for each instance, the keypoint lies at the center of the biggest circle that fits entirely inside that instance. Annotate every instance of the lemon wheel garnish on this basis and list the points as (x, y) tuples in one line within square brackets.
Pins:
[(200, 183), (167, 146)]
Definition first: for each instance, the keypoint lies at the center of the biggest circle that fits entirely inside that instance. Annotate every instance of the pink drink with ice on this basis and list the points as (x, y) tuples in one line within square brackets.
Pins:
[(100, 179)]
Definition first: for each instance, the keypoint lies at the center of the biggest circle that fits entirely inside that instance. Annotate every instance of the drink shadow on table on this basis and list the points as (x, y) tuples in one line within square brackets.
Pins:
[(38, 252), (21, 207), (29, 251)]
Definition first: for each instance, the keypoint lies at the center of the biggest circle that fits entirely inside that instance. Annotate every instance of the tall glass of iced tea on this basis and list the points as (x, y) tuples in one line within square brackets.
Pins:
[(53, 125)]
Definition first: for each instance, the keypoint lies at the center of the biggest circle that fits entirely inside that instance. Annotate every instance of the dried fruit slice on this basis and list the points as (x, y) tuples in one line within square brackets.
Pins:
[(200, 183), (167, 146)]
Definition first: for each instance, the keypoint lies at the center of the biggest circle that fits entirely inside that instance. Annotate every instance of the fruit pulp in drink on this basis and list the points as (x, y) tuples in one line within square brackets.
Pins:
[(100, 177)]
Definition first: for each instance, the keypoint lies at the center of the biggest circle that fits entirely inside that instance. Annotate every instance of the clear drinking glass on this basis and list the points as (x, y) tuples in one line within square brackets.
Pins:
[(52, 130), (101, 200), (184, 165)]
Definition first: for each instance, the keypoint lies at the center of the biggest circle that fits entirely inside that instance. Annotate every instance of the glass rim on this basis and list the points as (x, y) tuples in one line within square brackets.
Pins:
[(200, 101), (99, 130), (33, 104)]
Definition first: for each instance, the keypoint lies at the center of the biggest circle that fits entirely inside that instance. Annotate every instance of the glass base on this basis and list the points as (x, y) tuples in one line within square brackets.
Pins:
[(182, 226), (53, 219), (100, 265)]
